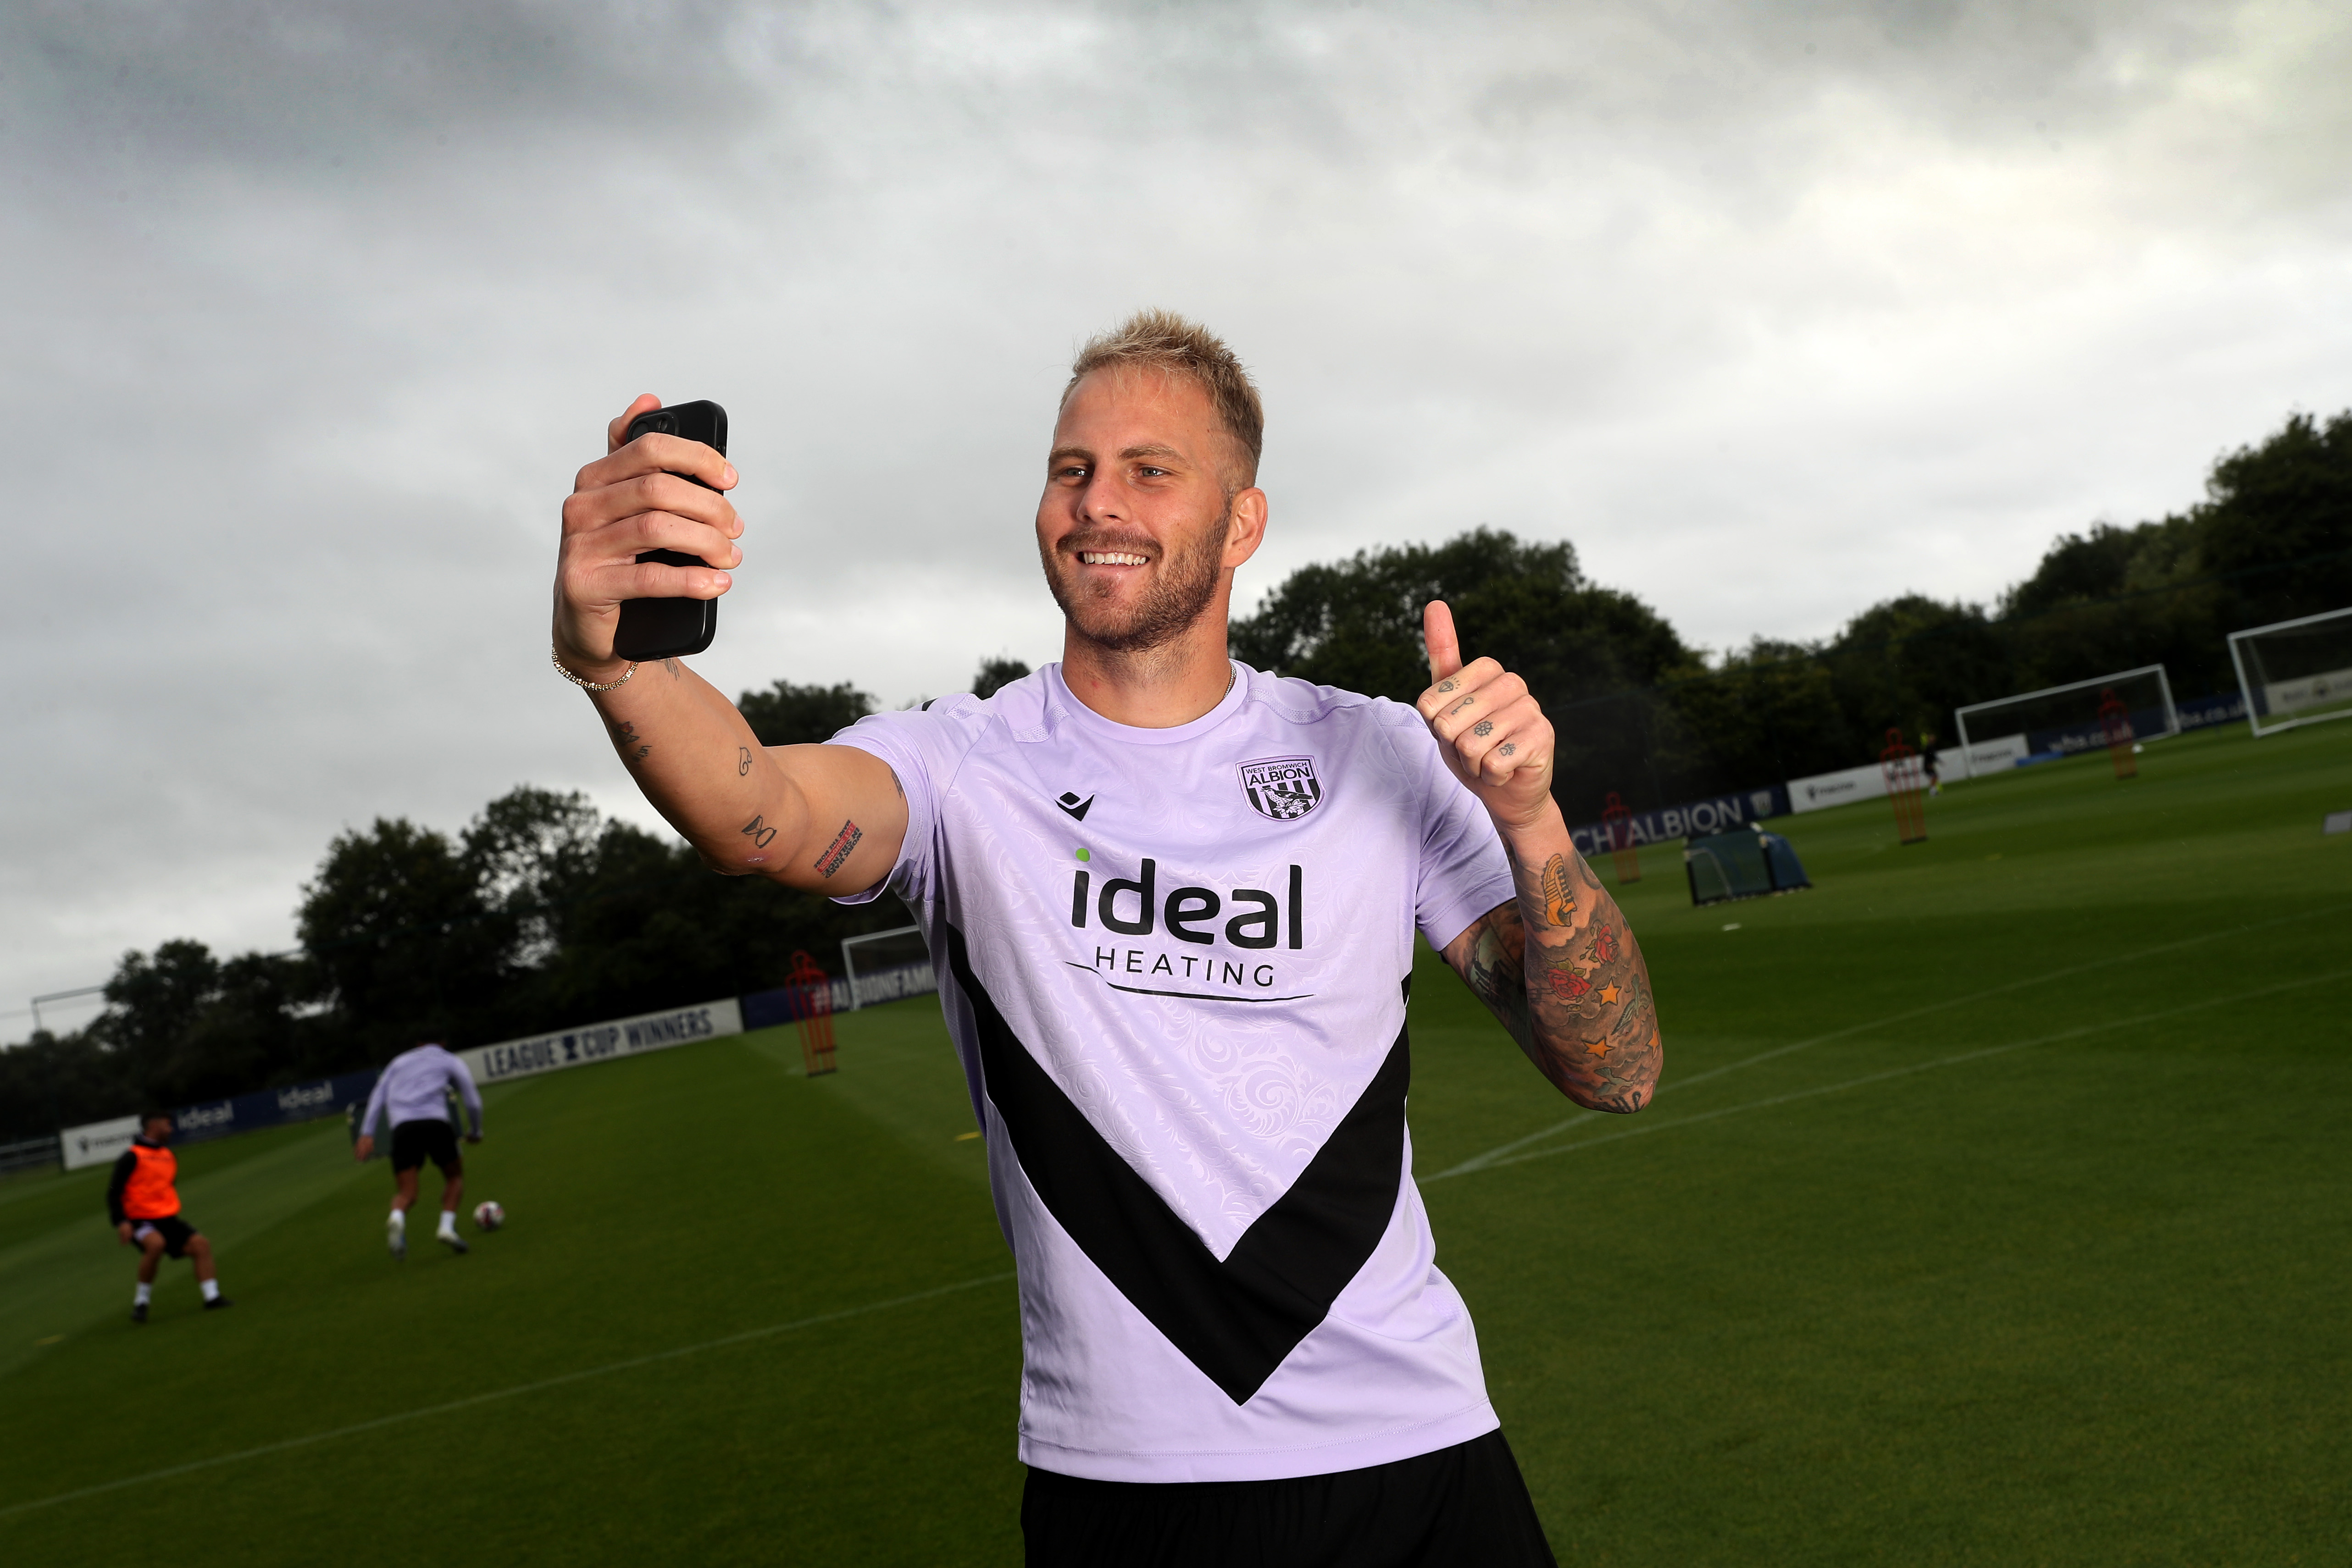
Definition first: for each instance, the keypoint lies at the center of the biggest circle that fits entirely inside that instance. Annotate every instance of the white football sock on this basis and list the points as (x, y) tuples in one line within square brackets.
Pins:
[(211, 1287), (145, 1294), (448, 1222), (400, 1219)]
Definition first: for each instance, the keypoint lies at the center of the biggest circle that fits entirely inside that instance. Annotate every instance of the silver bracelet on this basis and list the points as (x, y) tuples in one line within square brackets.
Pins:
[(583, 682)]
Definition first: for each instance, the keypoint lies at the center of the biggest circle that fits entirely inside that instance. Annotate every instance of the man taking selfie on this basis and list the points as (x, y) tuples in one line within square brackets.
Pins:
[(1172, 900)]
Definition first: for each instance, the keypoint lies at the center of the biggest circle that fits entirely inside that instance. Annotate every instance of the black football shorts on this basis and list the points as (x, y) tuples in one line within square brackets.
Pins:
[(175, 1232), (1463, 1507), (414, 1142)]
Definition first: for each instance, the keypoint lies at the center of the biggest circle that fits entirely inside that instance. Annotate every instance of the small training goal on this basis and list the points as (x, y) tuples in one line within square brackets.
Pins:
[(1747, 863), (2295, 671)]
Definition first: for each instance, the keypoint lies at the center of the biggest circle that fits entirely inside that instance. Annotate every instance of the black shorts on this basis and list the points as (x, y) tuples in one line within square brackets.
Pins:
[(1465, 1505), (414, 1142), (175, 1232)]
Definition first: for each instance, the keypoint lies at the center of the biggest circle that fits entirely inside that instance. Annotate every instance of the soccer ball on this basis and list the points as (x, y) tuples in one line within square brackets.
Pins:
[(489, 1215)]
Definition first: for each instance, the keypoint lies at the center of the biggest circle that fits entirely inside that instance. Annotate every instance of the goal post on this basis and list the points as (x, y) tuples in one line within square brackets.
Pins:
[(2294, 672), (885, 965), (2064, 721)]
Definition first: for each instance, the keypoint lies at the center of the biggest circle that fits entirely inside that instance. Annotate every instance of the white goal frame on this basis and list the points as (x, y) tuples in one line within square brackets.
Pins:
[(2246, 687), (2163, 684), (849, 959)]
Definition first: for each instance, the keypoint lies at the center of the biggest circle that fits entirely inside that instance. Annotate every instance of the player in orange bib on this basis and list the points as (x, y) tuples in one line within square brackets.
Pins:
[(143, 1200)]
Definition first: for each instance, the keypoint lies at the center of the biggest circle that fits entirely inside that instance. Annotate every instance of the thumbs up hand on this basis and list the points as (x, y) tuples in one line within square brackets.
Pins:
[(1491, 733)]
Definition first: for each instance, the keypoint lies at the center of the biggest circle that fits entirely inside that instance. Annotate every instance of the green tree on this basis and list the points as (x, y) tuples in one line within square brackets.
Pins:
[(181, 1024), (996, 675), (1906, 663), (55, 1080), (247, 1035), (607, 919), (787, 715), (1356, 625), (534, 854), (2079, 567), (2114, 598), (2287, 500), (403, 938), (1769, 712), (151, 1003)]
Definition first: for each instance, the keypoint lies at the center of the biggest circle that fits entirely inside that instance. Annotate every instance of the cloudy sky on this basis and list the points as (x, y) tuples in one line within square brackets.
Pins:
[(1773, 309)]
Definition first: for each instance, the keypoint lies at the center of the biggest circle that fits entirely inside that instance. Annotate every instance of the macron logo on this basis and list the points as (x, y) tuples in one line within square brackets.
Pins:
[(1073, 806)]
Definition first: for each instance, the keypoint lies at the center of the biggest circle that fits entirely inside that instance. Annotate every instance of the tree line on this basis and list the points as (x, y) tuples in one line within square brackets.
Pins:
[(1643, 714), (538, 913)]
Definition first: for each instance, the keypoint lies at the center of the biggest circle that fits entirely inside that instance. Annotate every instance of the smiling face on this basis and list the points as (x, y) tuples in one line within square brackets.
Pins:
[(1136, 528)]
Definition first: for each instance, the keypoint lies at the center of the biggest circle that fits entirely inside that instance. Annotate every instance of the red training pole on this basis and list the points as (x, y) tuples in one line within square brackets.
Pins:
[(1906, 787), (816, 1010), (2115, 725), (1619, 823)]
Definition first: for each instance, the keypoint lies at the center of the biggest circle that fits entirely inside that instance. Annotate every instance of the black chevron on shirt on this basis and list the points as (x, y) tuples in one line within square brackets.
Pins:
[(1237, 1319)]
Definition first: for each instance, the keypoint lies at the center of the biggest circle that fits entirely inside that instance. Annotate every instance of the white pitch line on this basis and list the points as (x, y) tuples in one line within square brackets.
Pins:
[(1495, 1156), (1639, 1128), (472, 1400)]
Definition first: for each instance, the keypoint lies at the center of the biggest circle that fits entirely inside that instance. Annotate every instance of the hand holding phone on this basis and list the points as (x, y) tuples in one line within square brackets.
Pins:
[(652, 629)]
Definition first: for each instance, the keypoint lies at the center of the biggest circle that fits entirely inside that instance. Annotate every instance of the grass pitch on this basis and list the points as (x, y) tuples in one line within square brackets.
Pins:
[(1994, 1211)]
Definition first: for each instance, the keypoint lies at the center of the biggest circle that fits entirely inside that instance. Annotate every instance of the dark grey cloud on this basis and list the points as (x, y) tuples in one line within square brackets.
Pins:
[(1773, 310)]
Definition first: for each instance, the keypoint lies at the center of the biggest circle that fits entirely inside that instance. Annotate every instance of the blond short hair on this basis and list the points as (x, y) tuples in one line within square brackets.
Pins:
[(1164, 341)]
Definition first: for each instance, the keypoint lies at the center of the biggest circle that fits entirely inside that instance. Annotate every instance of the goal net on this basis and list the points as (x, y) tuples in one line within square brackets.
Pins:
[(884, 966), (2063, 721), (2295, 671), (1745, 864)]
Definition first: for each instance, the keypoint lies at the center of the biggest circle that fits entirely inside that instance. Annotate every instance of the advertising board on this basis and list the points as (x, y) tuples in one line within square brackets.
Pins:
[(1713, 814), (1822, 790), (603, 1041), (95, 1143), (2326, 689), (1982, 756)]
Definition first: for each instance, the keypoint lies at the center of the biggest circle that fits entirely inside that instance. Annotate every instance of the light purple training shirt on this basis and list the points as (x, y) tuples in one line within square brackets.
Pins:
[(414, 1088), (1175, 963)]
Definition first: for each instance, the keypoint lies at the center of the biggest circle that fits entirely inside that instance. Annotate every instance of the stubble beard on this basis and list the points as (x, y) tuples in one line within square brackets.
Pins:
[(1175, 601)]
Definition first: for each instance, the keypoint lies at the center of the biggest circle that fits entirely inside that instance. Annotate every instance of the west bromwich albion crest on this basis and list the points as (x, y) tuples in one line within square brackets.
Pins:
[(1282, 788)]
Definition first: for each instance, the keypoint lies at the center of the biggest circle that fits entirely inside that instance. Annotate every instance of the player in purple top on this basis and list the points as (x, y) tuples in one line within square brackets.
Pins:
[(1173, 902), (413, 1093)]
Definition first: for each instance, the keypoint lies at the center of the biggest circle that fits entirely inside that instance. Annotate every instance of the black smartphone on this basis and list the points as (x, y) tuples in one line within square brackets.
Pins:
[(671, 628)]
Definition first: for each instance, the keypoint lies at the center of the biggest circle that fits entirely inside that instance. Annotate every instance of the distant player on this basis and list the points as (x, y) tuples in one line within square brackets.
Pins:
[(414, 1092), (143, 1201)]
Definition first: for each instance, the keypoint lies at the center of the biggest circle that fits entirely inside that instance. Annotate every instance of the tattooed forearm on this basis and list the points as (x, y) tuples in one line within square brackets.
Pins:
[(1557, 907), (838, 850), (1494, 969), (625, 740), (1559, 969)]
